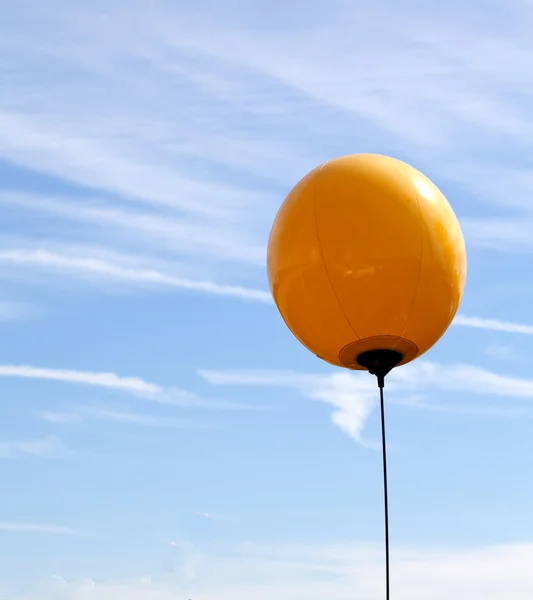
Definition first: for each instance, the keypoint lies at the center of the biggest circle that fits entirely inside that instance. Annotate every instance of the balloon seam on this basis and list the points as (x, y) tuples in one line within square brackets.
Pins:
[(322, 256)]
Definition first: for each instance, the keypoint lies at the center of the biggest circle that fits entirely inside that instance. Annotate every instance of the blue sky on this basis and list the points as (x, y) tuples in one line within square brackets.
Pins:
[(162, 434)]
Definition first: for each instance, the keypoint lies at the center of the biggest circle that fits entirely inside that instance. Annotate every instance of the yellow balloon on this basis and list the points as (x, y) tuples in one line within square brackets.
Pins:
[(366, 254)]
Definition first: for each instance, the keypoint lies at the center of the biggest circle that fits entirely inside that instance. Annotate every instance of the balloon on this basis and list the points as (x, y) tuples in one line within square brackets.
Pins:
[(366, 254)]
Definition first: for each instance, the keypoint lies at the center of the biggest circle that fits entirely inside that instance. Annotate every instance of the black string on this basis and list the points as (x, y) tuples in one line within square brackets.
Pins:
[(385, 492), (379, 363)]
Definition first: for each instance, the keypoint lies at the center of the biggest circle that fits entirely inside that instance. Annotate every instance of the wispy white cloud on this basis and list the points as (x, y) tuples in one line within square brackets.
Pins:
[(510, 234), (153, 229), (464, 378), (135, 173), (89, 413), (147, 161), (238, 107), (475, 410), (195, 177), (107, 380), (132, 385), (47, 447), (354, 395), (411, 86), (493, 324), (18, 527), (79, 266)]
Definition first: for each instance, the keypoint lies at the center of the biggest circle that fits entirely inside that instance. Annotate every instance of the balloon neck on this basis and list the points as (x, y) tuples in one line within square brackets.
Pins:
[(380, 363)]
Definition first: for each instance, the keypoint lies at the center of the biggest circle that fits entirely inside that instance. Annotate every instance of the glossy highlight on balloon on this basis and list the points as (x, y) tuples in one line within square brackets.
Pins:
[(366, 253)]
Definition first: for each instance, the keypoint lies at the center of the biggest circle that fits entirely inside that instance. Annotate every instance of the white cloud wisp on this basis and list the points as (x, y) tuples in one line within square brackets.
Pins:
[(99, 268), (18, 527), (493, 325), (353, 395), (131, 385)]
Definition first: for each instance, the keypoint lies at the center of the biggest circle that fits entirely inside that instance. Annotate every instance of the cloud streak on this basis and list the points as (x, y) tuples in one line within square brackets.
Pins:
[(89, 413), (18, 527), (242, 119), (181, 177), (80, 266), (353, 395), (111, 381), (353, 398), (106, 380), (151, 228), (493, 325)]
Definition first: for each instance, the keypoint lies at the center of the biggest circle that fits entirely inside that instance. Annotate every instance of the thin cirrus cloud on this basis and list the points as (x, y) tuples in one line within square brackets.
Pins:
[(163, 231), (84, 266), (67, 152), (100, 129), (493, 325), (131, 385), (129, 151), (107, 380), (19, 527), (89, 413), (440, 95), (353, 396)]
